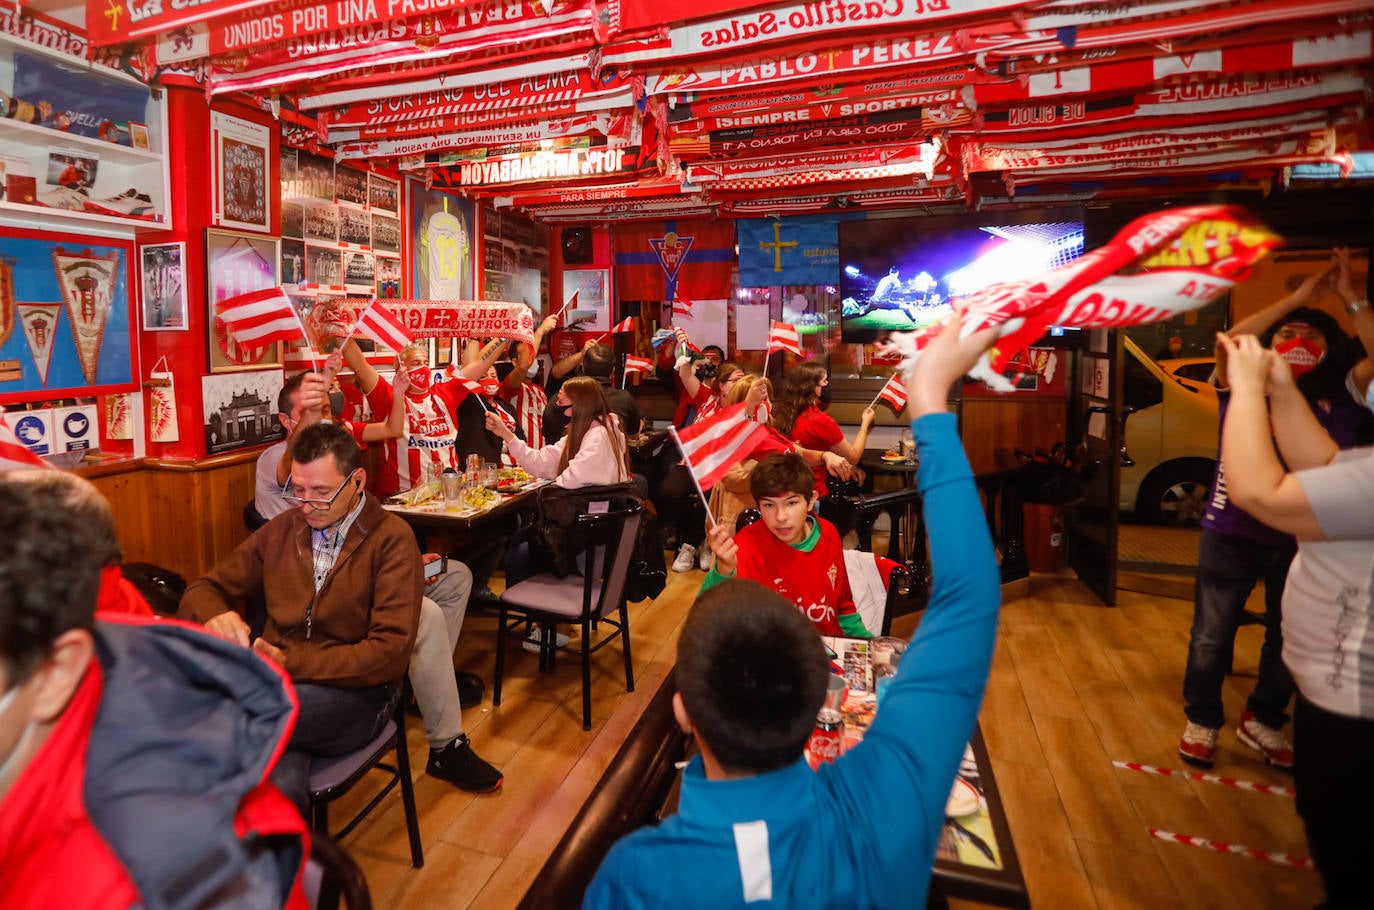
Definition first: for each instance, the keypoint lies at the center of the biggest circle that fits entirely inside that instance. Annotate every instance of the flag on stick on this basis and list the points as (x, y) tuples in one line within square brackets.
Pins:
[(14, 455), (259, 318), (635, 364), (382, 326), (682, 307), (713, 446), (662, 337), (783, 337), (625, 325), (571, 302), (894, 393)]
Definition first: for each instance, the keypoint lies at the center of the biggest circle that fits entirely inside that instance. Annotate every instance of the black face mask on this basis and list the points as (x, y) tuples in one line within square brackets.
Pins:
[(706, 370), (823, 400)]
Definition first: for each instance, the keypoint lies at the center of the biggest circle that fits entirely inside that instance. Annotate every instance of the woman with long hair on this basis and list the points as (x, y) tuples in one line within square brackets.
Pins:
[(594, 450), (798, 415)]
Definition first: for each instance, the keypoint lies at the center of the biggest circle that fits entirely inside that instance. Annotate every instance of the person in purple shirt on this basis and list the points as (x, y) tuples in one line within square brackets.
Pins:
[(1237, 550)]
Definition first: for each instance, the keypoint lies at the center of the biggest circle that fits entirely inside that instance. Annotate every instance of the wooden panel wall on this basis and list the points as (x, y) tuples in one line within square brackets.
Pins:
[(184, 516), (1027, 424)]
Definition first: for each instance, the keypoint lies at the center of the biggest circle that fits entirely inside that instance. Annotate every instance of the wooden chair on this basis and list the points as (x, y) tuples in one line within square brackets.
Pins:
[(587, 599), (331, 778)]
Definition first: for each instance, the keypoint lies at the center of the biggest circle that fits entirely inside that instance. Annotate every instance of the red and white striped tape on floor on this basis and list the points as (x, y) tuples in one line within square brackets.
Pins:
[(1207, 778), (1267, 856)]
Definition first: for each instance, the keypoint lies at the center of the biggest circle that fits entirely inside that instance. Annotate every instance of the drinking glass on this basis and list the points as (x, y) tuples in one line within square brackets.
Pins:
[(453, 489), (490, 475), (908, 446)]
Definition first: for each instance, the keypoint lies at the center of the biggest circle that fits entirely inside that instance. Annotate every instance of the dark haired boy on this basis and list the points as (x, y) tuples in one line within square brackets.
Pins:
[(754, 823), (790, 550)]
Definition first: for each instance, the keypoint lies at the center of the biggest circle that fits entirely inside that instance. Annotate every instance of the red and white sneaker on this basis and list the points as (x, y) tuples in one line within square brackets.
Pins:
[(1274, 744), (1198, 745)]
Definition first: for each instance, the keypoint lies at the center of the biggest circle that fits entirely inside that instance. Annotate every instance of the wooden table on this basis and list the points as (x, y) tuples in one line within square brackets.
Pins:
[(433, 516)]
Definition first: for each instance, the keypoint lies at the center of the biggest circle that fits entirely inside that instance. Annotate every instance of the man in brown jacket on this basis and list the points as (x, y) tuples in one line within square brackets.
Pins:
[(341, 581)]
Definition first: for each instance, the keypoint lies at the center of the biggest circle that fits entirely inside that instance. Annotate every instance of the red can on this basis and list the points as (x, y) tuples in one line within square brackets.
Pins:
[(827, 739)]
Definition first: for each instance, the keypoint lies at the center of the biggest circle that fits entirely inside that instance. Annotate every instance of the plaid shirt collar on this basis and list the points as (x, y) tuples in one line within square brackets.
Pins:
[(325, 543)]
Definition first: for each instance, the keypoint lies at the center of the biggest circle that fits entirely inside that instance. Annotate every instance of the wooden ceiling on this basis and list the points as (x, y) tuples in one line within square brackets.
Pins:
[(594, 110)]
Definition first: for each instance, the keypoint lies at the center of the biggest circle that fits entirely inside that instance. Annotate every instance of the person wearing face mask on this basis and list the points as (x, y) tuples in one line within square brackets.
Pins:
[(429, 443), (118, 732), (1325, 497), (473, 436), (799, 414), (1238, 549), (598, 362)]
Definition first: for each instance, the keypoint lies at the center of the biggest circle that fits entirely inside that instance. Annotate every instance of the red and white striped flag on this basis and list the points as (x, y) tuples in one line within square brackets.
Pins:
[(625, 325), (635, 364), (682, 307), (713, 446), (784, 337), (259, 318), (894, 393), (14, 455), (382, 326)]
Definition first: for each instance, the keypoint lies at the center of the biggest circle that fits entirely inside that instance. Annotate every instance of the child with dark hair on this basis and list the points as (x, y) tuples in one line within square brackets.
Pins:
[(790, 550), (755, 823)]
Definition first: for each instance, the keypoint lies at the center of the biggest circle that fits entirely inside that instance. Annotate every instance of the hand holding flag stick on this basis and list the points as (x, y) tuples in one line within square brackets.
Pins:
[(893, 392), (713, 446), (570, 302)]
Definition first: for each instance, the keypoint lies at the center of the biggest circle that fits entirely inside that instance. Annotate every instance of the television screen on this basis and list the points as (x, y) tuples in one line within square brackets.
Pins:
[(901, 274)]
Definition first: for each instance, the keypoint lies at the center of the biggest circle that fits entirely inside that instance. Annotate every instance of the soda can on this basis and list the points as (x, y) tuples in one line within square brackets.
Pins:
[(827, 739)]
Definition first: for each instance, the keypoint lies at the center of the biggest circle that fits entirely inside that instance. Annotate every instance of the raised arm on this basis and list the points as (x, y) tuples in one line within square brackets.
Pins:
[(566, 365), (1357, 305), (1255, 478), (486, 355), (686, 370), (1259, 322), (367, 375), (314, 398), (395, 423)]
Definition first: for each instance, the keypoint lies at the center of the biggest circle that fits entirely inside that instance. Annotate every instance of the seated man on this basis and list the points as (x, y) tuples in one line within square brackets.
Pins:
[(796, 553), (341, 582), (755, 823), (598, 362), (128, 749)]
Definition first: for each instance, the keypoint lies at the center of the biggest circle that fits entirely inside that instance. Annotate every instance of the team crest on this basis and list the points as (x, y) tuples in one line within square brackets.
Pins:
[(671, 250), (833, 574), (87, 282)]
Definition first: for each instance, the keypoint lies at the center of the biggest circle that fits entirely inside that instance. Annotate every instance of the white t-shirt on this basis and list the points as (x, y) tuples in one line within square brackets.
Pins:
[(266, 490), (1328, 603)]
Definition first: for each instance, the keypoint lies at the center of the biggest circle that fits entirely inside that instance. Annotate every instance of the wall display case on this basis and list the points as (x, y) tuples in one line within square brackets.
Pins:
[(81, 146)]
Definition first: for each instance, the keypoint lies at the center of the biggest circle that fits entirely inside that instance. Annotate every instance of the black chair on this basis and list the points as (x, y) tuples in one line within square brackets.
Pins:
[(252, 518), (332, 875), (546, 599), (331, 778)]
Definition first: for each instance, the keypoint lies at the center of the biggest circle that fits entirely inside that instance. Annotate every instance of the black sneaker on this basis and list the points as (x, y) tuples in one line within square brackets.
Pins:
[(462, 767), (471, 688)]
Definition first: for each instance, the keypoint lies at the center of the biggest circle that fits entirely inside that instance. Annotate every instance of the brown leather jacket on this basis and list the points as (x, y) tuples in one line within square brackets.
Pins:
[(364, 617)]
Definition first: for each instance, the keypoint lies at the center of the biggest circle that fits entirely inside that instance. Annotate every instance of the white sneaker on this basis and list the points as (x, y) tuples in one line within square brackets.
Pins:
[(686, 558), (704, 556)]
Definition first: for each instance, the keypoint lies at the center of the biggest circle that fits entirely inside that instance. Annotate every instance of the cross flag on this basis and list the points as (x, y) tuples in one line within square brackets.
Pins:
[(14, 455), (382, 326), (894, 393), (713, 446), (258, 318), (635, 364), (784, 337), (625, 325)]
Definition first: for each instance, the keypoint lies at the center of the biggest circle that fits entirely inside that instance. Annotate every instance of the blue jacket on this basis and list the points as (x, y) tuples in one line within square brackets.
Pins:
[(861, 832)]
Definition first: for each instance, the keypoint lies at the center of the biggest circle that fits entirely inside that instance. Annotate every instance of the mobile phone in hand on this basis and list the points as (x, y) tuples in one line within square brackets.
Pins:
[(436, 568)]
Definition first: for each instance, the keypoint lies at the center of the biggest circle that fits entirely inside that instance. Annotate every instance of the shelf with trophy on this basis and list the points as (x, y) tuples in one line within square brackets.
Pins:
[(81, 146)]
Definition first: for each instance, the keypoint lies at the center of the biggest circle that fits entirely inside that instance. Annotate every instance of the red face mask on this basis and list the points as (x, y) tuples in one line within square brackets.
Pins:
[(1301, 354), (490, 387), (419, 381)]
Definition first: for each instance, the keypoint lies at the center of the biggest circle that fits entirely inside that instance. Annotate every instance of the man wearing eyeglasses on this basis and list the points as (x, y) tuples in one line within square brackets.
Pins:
[(341, 582)]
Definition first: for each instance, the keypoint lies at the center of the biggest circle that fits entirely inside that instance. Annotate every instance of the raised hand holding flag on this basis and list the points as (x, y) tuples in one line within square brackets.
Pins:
[(635, 364)]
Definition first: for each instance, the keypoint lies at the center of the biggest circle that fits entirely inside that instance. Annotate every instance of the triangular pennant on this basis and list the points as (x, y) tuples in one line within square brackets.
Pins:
[(87, 284), (40, 328)]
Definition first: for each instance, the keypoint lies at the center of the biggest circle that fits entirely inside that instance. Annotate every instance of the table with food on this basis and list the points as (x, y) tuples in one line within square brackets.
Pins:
[(464, 501)]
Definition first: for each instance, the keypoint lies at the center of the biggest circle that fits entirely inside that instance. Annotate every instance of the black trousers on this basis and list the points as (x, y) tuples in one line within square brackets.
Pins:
[(1334, 777), (678, 504)]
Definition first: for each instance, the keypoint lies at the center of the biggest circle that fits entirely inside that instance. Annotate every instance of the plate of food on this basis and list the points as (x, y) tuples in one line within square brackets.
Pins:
[(963, 799), (511, 480), (478, 498), (891, 456)]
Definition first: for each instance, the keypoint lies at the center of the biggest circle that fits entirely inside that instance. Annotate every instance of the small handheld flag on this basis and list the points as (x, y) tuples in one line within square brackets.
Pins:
[(259, 318), (382, 326), (625, 325), (784, 337), (894, 393)]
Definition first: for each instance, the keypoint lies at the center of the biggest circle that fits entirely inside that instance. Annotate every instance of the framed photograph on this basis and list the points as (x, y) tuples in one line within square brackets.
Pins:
[(314, 177), (593, 307), (386, 234), (236, 264), (350, 185), (293, 220), (292, 262), (71, 170), (355, 226), (360, 269), (383, 193), (321, 221), (138, 135), (241, 410), (162, 270), (388, 277), (241, 167), (323, 266)]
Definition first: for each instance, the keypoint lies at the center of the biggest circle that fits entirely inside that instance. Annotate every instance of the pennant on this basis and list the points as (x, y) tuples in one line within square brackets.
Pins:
[(382, 326), (87, 284), (713, 446), (39, 321), (783, 337), (163, 424), (119, 417), (670, 259), (635, 364), (14, 455), (259, 318), (625, 325), (894, 393)]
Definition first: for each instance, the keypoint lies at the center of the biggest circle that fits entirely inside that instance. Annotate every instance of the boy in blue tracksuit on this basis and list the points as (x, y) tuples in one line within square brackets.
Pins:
[(755, 825)]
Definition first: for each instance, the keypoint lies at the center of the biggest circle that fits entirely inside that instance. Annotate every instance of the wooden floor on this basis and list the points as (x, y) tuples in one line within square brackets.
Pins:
[(1074, 687)]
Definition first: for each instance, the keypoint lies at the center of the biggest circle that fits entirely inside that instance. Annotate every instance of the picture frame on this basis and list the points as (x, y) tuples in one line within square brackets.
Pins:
[(292, 261), (591, 287), (321, 222), (355, 227), (323, 265), (138, 135), (162, 273), (240, 170), (237, 263), (350, 185), (386, 234), (383, 194)]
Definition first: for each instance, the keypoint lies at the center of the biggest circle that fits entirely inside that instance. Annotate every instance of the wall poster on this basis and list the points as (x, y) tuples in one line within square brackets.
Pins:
[(241, 410), (441, 244), (241, 166), (236, 264), (164, 288)]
